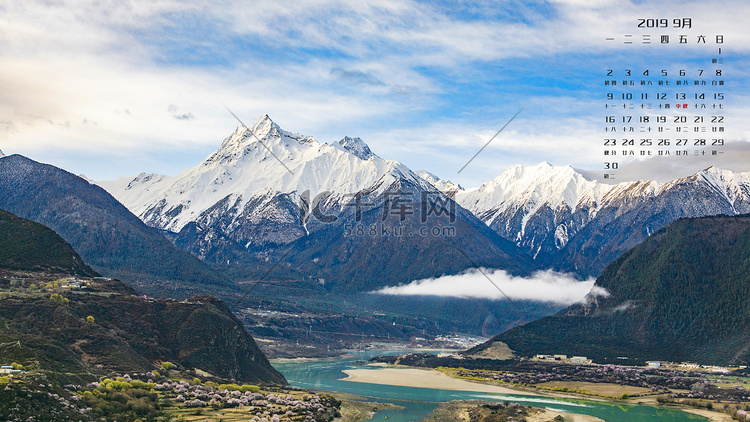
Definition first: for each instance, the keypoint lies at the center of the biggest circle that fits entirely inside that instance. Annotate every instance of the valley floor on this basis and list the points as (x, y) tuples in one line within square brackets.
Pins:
[(432, 378)]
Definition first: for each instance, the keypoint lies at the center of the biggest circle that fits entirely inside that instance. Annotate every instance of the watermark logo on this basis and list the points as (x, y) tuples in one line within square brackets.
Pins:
[(399, 230), (400, 212), (310, 207)]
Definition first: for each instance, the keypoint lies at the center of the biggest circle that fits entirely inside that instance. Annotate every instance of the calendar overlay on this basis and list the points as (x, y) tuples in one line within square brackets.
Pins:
[(664, 108)]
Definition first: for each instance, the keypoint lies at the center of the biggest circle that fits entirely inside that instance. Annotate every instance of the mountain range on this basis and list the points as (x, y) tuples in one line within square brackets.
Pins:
[(570, 223), (268, 192), (334, 213), (106, 235), (305, 216)]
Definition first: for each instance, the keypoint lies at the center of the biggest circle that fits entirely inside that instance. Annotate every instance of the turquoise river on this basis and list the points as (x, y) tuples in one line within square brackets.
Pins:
[(419, 402)]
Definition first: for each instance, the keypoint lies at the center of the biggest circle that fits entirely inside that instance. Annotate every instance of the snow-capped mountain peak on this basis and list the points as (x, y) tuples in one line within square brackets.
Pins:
[(264, 135), (717, 175), (445, 186), (264, 128), (543, 184), (264, 125), (356, 146), (728, 183), (521, 192), (253, 167), (543, 207)]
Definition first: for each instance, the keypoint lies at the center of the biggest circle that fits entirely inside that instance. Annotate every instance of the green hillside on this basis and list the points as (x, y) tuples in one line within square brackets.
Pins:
[(127, 334), (26, 245), (681, 295), (57, 317)]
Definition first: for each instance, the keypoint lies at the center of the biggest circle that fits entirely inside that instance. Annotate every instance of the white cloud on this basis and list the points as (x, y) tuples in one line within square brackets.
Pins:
[(51, 107), (736, 156), (542, 286), (448, 145), (430, 36), (86, 77)]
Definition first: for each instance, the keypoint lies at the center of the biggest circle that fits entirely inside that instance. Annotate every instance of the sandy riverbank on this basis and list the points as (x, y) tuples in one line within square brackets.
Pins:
[(424, 378), (547, 415), (712, 416)]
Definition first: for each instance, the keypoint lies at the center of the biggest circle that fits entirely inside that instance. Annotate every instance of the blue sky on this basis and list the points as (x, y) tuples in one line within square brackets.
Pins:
[(108, 90)]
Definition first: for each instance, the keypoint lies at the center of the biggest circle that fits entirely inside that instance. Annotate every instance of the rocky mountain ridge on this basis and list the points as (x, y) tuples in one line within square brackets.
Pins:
[(267, 194), (106, 235), (569, 223)]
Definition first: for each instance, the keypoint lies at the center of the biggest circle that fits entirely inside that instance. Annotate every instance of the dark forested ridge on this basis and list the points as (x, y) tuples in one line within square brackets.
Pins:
[(383, 249), (106, 235), (129, 334), (57, 317), (26, 245), (681, 295)]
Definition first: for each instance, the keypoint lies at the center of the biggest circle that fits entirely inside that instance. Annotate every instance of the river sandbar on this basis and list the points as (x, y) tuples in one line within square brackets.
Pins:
[(424, 378)]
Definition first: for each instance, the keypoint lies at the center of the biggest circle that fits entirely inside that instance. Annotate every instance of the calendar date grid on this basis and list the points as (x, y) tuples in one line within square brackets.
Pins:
[(665, 109)]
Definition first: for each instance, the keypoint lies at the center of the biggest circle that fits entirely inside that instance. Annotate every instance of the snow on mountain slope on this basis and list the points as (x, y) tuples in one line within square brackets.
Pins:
[(445, 186), (538, 207), (734, 187), (250, 169), (252, 194), (531, 188), (544, 185), (129, 182), (542, 208)]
